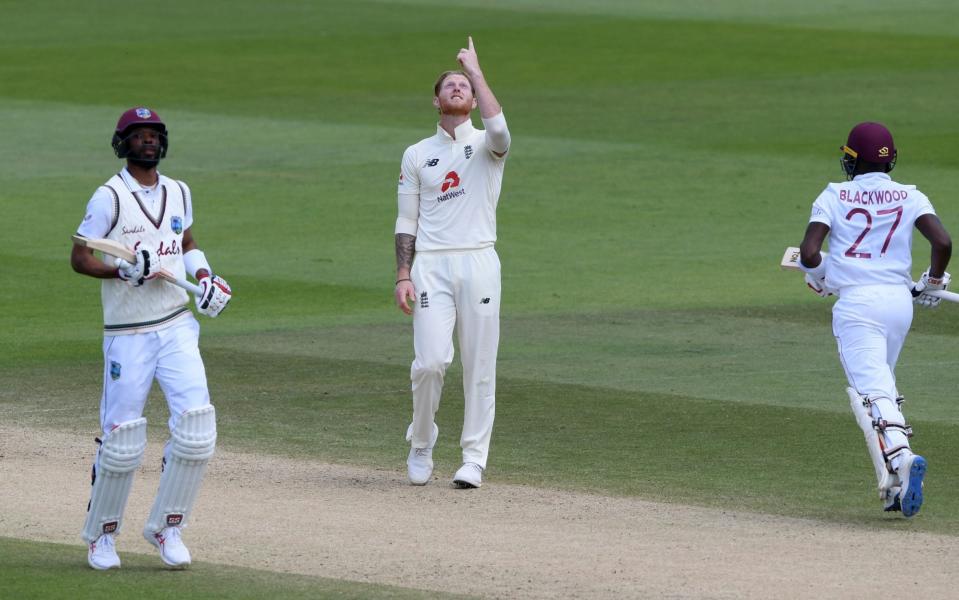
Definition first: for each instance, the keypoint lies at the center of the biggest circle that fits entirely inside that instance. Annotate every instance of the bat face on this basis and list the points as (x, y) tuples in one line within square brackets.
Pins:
[(790, 261), (107, 247)]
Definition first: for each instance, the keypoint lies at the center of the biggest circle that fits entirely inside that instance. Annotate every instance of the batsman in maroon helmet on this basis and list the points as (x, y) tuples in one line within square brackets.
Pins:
[(149, 333), (869, 220)]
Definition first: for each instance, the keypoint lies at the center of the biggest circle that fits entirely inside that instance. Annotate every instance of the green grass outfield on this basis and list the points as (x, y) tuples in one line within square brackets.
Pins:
[(663, 156)]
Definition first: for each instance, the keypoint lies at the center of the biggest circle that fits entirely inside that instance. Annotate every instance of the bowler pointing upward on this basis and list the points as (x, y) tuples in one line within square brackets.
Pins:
[(447, 271)]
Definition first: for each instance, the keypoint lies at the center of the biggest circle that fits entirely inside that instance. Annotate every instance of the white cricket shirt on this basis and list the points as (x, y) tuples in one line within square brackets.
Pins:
[(871, 220), (123, 210), (457, 182)]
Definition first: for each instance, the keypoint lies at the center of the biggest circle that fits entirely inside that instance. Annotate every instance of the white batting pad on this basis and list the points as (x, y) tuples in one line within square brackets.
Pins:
[(119, 456), (885, 443), (191, 446)]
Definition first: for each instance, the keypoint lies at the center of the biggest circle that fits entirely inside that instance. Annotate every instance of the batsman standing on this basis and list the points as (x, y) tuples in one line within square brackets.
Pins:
[(448, 191), (869, 220), (149, 333)]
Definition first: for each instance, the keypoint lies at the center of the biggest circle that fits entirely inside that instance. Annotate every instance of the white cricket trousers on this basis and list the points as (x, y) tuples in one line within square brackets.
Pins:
[(870, 323), (458, 289), (131, 362)]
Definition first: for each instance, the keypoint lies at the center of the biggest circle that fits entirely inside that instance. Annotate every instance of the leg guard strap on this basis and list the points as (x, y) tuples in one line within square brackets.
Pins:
[(885, 477)]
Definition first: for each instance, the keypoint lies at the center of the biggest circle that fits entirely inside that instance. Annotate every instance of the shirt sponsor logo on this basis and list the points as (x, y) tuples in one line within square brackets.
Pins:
[(872, 198), (134, 231), (171, 250), (432, 162), (452, 180)]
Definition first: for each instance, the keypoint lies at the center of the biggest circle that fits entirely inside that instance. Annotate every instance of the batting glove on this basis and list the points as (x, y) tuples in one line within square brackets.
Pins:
[(216, 295), (818, 285), (927, 283), (145, 268)]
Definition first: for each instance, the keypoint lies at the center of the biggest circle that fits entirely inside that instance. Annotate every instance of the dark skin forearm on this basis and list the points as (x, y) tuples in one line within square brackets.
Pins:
[(84, 262), (932, 229), (811, 246)]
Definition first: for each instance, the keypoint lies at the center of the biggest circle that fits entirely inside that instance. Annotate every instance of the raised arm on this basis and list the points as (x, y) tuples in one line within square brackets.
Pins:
[(494, 122), (488, 105)]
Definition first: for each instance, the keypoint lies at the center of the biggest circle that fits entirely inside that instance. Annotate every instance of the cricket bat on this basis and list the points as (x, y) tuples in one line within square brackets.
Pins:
[(120, 251), (790, 262)]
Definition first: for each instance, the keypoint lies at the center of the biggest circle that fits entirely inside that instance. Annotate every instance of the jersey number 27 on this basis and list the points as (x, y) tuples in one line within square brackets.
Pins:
[(852, 251)]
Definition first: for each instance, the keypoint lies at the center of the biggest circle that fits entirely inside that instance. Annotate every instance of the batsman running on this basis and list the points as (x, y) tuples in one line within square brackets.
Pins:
[(447, 271), (869, 221), (149, 333)]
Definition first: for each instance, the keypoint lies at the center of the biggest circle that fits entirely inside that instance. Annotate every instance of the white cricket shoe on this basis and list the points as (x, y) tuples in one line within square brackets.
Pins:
[(470, 475), (172, 550), (911, 472), (419, 464), (102, 554)]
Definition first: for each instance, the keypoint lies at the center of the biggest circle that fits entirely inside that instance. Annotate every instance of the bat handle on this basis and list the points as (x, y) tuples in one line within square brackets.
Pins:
[(170, 277)]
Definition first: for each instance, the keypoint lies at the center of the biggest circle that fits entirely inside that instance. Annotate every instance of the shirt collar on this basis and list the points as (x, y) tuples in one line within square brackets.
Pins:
[(872, 175), (462, 131), (133, 185)]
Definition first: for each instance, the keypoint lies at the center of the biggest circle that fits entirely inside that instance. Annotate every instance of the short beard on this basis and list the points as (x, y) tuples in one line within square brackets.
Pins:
[(455, 111), (144, 163)]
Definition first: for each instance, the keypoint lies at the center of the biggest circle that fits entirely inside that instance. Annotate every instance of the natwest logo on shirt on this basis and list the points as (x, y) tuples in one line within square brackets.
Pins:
[(452, 180)]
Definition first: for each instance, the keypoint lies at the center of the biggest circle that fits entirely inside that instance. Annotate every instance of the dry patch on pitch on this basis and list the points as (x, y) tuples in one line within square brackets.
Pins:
[(498, 541)]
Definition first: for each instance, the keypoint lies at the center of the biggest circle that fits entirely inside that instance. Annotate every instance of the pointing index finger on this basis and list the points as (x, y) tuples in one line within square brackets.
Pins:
[(471, 42)]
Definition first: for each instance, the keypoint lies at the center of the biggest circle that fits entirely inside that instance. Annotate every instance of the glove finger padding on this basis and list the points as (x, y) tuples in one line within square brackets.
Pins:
[(817, 285), (215, 297), (927, 301), (146, 267)]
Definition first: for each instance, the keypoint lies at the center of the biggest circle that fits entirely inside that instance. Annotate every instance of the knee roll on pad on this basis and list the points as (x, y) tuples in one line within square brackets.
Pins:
[(192, 444), (119, 456)]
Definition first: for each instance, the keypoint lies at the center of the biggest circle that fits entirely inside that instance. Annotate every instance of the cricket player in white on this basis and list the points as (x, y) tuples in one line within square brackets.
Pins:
[(149, 332), (869, 221), (448, 191)]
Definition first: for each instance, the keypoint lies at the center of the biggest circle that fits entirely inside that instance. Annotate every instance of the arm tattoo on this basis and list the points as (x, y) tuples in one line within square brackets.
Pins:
[(405, 247)]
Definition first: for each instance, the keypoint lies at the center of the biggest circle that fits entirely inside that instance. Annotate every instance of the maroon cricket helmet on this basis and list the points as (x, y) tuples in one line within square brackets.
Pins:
[(871, 142), (868, 142), (138, 116)]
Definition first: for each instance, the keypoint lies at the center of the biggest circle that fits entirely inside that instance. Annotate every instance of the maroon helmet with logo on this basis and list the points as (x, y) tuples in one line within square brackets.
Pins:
[(868, 142), (138, 117)]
